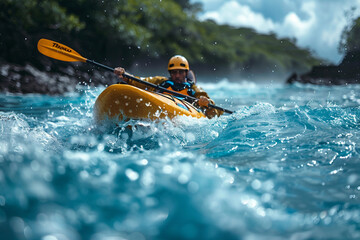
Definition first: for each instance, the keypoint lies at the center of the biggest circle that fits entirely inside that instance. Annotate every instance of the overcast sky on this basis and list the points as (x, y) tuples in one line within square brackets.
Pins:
[(316, 24)]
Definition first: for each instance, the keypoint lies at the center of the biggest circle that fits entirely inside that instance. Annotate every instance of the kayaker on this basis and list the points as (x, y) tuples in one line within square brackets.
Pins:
[(181, 80)]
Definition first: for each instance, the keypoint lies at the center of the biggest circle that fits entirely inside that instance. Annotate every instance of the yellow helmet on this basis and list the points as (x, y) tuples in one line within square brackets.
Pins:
[(178, 62)]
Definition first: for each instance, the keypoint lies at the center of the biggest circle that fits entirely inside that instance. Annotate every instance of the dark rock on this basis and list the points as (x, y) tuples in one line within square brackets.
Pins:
[(28, 79), (347, 72)]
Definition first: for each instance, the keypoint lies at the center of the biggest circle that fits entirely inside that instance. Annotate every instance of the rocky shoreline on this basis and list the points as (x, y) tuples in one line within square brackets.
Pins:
[(347, 72), (67, 77), (29, 79)]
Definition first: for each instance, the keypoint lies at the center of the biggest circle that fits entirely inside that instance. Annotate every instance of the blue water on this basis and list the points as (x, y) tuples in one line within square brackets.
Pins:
[(284, 166)]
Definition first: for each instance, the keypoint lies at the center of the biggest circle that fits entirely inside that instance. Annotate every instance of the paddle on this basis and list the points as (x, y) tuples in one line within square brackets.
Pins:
[(64, 53)]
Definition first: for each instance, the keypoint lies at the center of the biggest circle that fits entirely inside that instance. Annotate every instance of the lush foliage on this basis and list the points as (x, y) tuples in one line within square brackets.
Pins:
[(124, 31), (350, 37)]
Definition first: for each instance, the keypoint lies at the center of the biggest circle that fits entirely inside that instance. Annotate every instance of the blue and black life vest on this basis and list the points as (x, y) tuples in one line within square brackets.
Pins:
[(183, 88)]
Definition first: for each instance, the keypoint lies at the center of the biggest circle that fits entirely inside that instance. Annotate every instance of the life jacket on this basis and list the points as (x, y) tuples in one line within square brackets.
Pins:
[(183, 88)]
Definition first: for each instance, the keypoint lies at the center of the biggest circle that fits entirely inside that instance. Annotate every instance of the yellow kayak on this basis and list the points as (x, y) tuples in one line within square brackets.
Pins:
[(123, 102)]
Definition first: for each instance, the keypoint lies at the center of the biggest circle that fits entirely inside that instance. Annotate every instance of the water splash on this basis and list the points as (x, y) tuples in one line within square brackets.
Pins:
[(285, 165)]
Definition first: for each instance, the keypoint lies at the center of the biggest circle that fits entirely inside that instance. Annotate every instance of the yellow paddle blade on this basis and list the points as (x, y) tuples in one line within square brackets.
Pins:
[(59, 51)]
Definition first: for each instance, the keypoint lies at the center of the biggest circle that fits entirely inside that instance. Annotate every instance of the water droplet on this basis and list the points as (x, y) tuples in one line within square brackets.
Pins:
[(143, 162), (352, 179), (49, 237), (183, 178), (256, 184), (131, 174), (2, 201), (167, 169)]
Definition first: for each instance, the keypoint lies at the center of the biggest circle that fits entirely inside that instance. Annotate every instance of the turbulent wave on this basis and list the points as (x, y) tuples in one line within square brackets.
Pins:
[(284, 165)]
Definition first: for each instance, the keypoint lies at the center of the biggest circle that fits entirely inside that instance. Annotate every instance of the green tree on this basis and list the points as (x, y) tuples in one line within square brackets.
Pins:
[(350, 37), (123, 31)]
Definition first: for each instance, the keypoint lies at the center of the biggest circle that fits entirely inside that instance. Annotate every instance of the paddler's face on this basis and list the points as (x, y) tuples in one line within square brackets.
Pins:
[(178, 75)]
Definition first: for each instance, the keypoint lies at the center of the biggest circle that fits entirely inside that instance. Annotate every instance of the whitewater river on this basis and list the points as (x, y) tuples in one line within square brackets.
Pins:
[(285, 165)]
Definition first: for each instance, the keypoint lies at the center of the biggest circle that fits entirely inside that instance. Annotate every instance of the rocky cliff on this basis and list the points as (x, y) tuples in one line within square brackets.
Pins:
[(347, 72)]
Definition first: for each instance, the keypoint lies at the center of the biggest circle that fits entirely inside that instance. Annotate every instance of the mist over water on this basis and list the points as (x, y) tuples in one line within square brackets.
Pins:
[(285, 165)]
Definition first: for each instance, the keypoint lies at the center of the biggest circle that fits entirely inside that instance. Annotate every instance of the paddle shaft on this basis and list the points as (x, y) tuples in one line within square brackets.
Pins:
[(188, 98), (64, 53)]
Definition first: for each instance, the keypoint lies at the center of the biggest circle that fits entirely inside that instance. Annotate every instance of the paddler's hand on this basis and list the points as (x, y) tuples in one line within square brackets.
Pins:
[(203, 102), (119, 71)]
